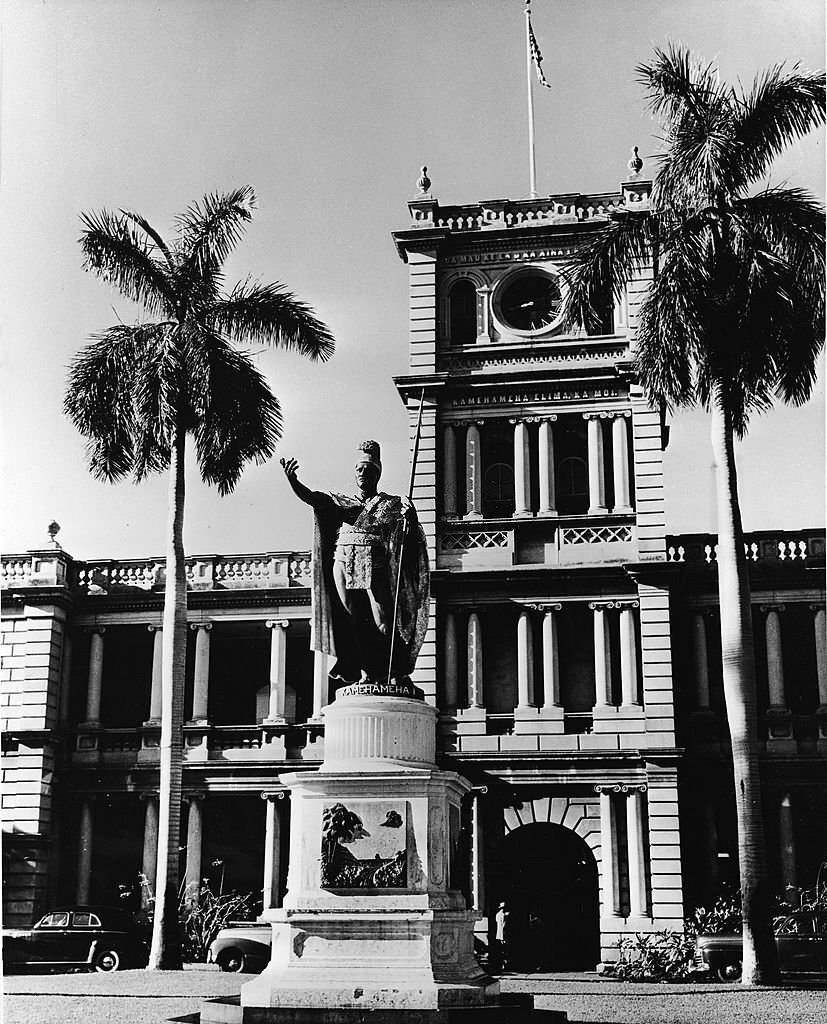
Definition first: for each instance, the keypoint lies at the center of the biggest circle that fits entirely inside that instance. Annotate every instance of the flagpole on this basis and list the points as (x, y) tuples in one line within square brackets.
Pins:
[(532, 163)]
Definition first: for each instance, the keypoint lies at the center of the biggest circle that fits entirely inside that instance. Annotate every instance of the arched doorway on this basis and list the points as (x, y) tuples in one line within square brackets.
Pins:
[(548, 881)]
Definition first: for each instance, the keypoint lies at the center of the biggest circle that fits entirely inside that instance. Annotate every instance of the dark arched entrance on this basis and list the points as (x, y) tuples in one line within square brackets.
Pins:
[(547, 879)]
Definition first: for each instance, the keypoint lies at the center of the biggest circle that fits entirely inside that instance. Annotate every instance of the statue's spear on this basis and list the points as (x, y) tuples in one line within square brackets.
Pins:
[(405, 528)]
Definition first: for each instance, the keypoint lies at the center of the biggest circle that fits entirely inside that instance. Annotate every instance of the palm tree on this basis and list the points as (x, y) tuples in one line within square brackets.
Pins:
[(733, 319), (138, 392)]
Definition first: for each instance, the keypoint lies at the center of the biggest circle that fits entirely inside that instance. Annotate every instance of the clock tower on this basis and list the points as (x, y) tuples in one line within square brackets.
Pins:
[(539, 484)]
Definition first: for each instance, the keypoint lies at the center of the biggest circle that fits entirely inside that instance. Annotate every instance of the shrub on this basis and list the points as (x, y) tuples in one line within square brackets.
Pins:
[(653, 956), (201, 914), (724, 915)]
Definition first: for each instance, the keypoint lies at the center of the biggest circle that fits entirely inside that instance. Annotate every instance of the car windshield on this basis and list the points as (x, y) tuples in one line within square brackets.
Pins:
[(59, 920)]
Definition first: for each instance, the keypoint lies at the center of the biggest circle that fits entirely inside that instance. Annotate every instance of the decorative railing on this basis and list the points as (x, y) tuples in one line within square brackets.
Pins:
[(119, 741), (596, 534), (799, 547), (469, 539), (211, 572), (426, 211)]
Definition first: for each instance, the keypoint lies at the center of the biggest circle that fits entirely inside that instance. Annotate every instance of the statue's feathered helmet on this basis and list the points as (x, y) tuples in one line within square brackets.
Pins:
[(369, 452)]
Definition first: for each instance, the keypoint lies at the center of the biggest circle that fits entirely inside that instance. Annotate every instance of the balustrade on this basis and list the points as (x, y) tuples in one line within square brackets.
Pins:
[(520, 213)]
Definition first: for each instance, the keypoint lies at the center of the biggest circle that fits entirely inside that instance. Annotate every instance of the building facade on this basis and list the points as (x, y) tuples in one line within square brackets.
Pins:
[(572, 650)]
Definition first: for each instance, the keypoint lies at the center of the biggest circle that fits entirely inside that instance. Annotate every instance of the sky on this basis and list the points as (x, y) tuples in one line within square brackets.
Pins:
[(328, 108)]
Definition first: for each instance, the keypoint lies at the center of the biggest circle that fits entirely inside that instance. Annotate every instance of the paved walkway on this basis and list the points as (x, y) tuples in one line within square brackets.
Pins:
[(144, 997)]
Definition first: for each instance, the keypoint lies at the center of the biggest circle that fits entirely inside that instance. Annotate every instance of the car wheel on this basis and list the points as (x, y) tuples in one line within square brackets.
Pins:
[(233, 961), (730, 972), (107, 960)]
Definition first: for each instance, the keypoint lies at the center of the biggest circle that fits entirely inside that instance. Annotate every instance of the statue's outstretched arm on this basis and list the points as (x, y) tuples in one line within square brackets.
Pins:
[(315, 498)]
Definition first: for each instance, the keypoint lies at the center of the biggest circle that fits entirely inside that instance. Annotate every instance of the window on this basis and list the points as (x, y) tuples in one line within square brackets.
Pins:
[(604, 311), (498, 491), (57, 920), (83, 919), (572, 486), (463, 313)]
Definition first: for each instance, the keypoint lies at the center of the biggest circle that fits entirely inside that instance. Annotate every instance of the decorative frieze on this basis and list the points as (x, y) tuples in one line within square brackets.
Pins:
[(502, 398)]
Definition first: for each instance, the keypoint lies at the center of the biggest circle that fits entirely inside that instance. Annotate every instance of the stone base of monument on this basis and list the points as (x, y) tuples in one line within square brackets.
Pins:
[(374, 927)]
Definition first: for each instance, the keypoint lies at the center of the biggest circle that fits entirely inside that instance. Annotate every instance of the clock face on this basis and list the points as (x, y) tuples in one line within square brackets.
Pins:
[(531, 302)]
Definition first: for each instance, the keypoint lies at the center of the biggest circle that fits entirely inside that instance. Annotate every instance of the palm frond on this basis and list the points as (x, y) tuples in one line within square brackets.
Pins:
[(697, 113), (269, 314), (118, 253), (602, 266), (210, 229), (791, 223), (239, 419), (672, 326), (145, 226), (104, 378), (781, 107)]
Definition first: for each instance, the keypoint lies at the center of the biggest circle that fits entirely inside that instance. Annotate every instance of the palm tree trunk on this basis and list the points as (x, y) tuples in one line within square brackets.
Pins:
[(165, 953), (759, 955)]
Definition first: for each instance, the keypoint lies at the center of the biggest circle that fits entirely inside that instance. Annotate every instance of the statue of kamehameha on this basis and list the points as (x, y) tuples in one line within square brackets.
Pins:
[(370, 577)]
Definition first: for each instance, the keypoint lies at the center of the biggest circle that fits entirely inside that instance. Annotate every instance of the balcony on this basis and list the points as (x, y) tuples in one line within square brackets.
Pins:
[(210, 744), (565, 541), (794, 548)]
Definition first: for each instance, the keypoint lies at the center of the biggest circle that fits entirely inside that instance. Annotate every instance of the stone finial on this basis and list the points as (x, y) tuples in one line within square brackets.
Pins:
[(423, 182), (53, 529), (635, 165)]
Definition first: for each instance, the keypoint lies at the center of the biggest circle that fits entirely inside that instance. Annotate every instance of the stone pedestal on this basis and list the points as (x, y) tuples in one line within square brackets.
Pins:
[(373, 920)]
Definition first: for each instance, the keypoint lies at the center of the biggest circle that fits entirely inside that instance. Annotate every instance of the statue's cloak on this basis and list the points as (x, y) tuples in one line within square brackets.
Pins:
[(329, 620)]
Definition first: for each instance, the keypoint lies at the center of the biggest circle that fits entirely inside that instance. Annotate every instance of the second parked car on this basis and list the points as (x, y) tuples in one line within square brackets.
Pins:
[(800, 938), (242, 947)]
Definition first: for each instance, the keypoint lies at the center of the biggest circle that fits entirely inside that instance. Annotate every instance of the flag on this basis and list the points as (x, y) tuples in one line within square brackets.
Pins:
[(536, 56)]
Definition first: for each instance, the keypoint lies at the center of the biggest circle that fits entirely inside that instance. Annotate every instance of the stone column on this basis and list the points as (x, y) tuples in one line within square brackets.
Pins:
[(149, 861), (321, 683), (195, 835), (786, 837), (93, 689), (551, 658), (475, 691), (602, 665), (628, 655), (608, 848), (155, 687), (278, 670), (709, 844), (449, 471), (522, 469), (201, 689), (477, 849), (65, 674), (272, 851), (775, 662), (450, 661), (525, 660), (636, 845), (484, 307), (821, 652), (620, 464), (597, 488), (548, 493), (700, 661), (85, 850), (473, 472)]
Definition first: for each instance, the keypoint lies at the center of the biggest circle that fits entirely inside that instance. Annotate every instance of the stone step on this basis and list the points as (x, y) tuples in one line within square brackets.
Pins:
[(516, 1009)]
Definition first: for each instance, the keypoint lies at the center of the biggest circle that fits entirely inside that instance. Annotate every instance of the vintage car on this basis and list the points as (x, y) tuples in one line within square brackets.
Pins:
[(241, 947), (800, 938), (98, 938)]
